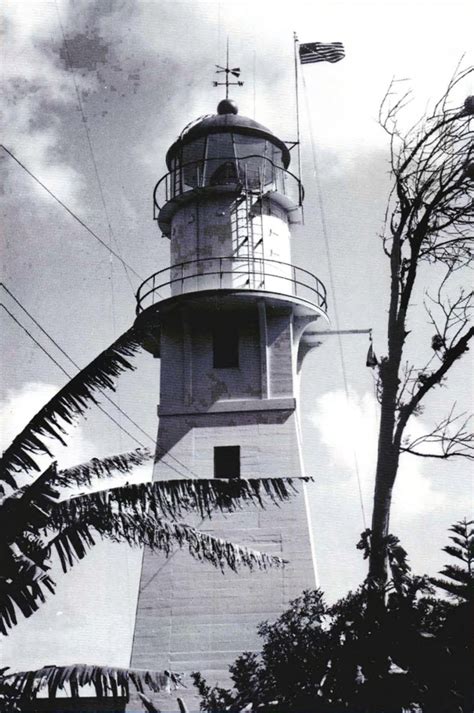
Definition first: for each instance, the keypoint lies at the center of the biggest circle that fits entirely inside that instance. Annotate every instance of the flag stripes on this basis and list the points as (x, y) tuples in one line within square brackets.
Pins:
[(321, 52)]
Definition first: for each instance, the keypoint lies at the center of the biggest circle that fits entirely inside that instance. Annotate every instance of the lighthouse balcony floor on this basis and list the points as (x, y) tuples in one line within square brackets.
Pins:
[(238, 275), (255, 175)]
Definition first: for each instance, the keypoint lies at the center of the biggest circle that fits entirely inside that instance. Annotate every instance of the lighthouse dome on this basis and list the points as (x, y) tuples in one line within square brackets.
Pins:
[(226, 135)]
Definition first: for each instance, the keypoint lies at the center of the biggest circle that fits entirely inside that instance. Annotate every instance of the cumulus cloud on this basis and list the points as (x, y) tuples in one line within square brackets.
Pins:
[(20, 405), (17, 409), (349, 428)]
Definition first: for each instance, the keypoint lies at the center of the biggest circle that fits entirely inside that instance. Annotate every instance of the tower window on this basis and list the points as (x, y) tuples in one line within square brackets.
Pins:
[(225, 346), (227, 462)]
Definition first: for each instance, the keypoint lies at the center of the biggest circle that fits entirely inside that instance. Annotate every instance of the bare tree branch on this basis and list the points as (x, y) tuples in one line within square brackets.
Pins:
[(432, 380), (450, 436), (427, 224)]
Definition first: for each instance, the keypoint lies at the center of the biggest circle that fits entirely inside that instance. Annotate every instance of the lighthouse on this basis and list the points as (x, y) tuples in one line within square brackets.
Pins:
[(230, 320)]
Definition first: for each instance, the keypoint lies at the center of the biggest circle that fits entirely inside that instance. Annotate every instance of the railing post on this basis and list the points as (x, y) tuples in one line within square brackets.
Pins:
[(182, 278), (220, 272), (294, 280)]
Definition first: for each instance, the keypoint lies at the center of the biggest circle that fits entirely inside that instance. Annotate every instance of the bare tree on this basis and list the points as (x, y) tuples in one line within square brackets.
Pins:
[(426, 238)]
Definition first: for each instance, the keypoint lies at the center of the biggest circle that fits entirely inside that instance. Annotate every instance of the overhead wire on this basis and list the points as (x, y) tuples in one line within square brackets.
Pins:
[(71, 213), (74, 363), (112, 237), (89, 143), (332, 285), (64, 371), (71, 360)]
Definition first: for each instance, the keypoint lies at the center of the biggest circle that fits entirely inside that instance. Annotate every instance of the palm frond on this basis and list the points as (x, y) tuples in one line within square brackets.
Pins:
[(85, 473), (137, 514), (148, 704), (107, 681), (24, 593), (133, 513), (72, 544), (70, 402), (173, 498), (144, 528), (29, 506)]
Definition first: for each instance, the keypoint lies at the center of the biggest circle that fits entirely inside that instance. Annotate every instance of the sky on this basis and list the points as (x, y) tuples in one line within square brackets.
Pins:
[(93, 94)]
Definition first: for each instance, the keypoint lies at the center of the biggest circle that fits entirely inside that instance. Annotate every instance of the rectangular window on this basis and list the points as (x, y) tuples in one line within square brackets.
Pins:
[(227, 462), (225, 346)]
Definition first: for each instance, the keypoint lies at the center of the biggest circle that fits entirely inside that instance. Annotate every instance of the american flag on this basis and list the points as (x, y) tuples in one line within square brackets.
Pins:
[(321, 52)]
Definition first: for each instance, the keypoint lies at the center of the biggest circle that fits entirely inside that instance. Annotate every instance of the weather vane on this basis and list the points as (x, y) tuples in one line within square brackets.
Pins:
[(234, 71)]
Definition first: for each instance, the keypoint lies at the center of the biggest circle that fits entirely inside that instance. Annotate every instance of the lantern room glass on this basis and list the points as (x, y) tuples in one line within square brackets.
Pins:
[(226, 158)]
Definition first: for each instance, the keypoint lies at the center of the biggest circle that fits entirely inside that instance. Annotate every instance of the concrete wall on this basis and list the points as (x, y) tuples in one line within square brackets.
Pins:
[(267, 362), (268, 442), (214, 227), (193, 617)]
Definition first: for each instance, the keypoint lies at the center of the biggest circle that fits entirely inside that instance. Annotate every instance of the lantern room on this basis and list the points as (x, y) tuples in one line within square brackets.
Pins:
[(226, 152)]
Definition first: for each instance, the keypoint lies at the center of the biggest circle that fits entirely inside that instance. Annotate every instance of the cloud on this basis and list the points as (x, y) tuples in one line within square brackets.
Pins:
[(20, 405), (36, 90), (349, 429)]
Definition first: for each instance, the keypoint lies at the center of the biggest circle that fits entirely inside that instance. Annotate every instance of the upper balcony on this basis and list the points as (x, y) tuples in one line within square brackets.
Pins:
[(238, 274), (255, 174)]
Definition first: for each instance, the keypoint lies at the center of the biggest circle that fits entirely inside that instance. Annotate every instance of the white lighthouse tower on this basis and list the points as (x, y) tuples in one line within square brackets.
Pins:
[(228, 320)]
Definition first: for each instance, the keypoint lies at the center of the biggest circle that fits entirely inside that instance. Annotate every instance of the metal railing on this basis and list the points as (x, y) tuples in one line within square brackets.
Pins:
[(234, 272), (241, 173)]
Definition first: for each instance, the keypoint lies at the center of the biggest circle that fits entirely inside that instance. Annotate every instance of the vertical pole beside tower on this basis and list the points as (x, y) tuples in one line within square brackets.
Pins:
[(229, 319)]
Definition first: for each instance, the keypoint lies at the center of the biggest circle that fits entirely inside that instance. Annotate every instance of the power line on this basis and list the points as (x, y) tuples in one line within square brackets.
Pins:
[(71, 360), (332, 284), (71, 213), (64, 371), (89, 142)]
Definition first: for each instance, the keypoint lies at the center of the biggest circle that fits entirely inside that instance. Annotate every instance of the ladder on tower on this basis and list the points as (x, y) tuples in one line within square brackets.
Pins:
[(247, 230)]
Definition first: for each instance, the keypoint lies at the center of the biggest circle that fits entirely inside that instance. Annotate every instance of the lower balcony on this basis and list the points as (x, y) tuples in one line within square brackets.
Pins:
[(236, 274)]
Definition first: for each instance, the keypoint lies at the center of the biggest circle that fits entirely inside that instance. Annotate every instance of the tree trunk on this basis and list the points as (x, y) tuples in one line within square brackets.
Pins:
[(384, 480), (385, 474)]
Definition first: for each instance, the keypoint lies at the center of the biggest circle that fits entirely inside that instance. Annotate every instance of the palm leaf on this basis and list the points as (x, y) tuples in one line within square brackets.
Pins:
[(29, 506), (70, 402), (107, 681), (22, 593), (173, 498), (85, 473), (149, 706), (137, 529), (133, 513)]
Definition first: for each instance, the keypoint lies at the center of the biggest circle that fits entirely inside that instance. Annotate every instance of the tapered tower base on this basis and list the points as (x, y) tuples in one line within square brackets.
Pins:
[(193, 617)]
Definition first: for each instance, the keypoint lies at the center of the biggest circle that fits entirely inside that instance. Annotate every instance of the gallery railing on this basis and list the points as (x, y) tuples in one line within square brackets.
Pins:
[(234, 272), (254, 173)]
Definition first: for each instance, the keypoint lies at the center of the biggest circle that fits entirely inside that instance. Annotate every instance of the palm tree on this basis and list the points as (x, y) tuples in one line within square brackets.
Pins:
[(42, 517)]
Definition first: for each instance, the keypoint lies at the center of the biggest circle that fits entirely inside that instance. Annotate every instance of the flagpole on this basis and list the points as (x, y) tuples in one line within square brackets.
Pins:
[(227, 70), (297, 101)]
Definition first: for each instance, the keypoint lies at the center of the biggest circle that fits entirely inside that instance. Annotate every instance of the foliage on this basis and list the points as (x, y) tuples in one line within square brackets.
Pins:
[(17, 689), (65, 406), (35, 522), (325, 659), (460, 578)]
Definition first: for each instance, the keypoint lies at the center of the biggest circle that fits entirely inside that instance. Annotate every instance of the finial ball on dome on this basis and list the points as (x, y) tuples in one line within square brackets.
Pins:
[(227, 106)]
